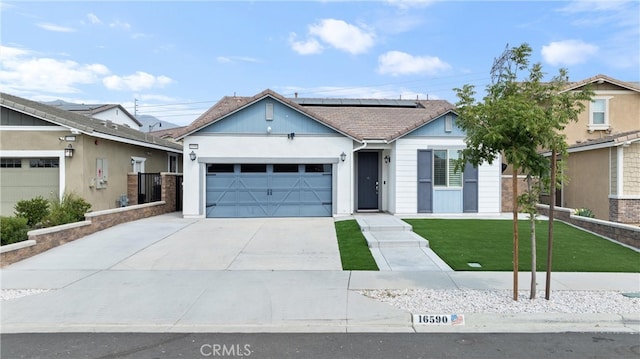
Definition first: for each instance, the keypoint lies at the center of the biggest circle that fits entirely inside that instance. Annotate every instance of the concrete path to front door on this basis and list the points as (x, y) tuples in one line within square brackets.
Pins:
[(396, 247)]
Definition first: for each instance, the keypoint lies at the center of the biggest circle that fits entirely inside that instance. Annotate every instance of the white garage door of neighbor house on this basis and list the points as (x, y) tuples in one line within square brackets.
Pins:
[(268, 190), (27, 178)]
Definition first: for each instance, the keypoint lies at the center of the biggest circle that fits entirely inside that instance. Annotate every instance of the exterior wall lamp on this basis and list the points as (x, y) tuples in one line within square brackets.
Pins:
[(387, 159), (343, 156), (68, 151), (192, 156)]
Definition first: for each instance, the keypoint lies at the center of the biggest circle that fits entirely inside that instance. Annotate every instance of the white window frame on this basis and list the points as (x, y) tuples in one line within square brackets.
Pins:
[(448, 170), (599, 126)]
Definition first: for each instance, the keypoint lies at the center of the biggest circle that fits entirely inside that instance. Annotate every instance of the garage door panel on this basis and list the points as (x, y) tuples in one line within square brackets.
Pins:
[(283, 193)]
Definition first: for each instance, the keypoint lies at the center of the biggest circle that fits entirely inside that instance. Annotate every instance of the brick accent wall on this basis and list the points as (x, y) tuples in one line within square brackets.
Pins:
[(623, 233), (624, 210), (507, 191)]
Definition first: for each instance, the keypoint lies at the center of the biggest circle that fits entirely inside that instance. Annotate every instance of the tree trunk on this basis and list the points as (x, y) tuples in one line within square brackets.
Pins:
[(552, 204), (533, 243), (514, 178)]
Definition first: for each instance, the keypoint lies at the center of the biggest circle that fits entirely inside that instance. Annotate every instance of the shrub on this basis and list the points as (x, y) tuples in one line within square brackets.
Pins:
[(13, 229), (584, 212), (34, 210), (68, 210)]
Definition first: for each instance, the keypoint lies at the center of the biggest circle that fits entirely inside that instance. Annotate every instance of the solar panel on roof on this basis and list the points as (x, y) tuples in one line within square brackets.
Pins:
[(354, 102)]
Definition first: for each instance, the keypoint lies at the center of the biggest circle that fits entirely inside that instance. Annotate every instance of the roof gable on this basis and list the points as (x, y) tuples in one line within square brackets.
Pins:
[(600, 79), (253, 119), (230, 105), (359, 119)]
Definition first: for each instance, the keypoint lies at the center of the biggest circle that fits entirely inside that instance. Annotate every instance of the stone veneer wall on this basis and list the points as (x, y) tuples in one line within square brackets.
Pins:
[(507, 191), (624, 210), (623, 233), (44, 239)]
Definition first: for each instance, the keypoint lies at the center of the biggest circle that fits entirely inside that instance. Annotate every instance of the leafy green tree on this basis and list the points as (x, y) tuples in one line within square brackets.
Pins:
[(517, 118)]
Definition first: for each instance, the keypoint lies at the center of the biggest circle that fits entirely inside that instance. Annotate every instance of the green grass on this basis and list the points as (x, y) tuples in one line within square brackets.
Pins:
[(490, 243), (354, 252)]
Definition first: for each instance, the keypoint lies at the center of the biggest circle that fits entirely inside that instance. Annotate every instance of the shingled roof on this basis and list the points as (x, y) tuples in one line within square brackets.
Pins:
[(361, 120), (86, 125), (607, 141), (91, 109), (596, 79)]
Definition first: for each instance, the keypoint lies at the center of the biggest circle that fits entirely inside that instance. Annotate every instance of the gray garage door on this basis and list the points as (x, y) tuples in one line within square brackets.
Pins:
[(268, 190), (27, 178)]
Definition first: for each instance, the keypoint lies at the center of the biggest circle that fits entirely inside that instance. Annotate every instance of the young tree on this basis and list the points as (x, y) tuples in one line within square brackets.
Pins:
[(517, 118)]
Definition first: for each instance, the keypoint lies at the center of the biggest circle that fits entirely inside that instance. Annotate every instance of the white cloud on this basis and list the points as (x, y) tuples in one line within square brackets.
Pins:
[(343, 36), (136, 82), (22, 70), (94, 19), (120, 25), (308, 47), (55, 28), (335, 33), (401, 63), (568, 52)]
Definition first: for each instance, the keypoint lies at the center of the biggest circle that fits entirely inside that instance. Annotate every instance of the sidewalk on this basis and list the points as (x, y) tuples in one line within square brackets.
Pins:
[(120, 280)]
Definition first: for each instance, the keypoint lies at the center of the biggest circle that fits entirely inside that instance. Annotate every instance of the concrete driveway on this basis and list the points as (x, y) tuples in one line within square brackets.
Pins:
[(169, 242)]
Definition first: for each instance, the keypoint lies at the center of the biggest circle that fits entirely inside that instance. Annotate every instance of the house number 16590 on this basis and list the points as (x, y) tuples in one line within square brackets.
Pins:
[(433, 319)]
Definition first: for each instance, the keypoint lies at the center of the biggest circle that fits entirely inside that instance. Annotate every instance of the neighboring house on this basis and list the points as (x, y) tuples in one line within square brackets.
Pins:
[(168, 133), (47, 151), (603, 167), (268, 155), (106, 112)]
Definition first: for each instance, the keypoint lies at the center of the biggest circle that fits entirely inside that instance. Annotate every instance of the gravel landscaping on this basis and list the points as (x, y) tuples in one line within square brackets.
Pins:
[(423, 301)]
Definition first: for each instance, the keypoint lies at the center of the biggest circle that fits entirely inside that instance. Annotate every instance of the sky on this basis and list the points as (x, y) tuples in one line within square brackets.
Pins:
[(174, 60)]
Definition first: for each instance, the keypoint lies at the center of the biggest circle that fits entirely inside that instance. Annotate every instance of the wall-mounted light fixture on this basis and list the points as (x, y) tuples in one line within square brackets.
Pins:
[(343, 156), (68, 152), (268, 129), (133, 162), (192, 156), (387, 159)]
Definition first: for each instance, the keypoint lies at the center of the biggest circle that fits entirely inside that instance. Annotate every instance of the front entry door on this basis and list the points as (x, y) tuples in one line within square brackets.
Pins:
[(368, 181)]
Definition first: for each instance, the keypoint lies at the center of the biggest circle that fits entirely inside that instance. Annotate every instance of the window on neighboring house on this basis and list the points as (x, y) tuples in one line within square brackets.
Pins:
[(44, 163), (10, 163), (599, 114), (173, 164), (444, 174)]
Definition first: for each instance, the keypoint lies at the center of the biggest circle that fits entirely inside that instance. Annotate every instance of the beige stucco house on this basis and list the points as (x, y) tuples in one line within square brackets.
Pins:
[(46, 151), (603, 167)]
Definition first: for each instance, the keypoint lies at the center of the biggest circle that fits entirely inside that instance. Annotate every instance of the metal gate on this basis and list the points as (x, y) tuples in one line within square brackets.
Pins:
[(149, 187)]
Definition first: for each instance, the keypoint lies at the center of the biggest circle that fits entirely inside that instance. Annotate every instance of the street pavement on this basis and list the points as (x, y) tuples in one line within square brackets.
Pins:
[(170, 274)]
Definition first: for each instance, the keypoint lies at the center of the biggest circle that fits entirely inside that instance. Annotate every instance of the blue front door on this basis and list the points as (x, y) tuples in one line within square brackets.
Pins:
[(368, 182)]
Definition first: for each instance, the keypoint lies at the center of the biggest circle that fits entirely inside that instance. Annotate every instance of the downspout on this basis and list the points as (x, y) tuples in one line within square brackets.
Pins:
[(351, 174)]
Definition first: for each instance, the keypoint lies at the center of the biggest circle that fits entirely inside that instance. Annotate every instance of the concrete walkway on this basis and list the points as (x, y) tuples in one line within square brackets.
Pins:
[(396, 247), (135, 277)]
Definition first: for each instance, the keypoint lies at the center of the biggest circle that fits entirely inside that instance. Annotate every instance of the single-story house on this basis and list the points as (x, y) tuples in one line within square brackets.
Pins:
[(46, 151), (268, 156)]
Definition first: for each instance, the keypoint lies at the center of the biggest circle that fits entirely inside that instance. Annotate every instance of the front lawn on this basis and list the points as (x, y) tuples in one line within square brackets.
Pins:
[(354, 251), (490, 243)]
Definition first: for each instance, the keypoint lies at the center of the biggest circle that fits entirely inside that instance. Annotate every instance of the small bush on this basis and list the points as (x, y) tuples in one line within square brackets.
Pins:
[(13, 229), (584, 212), (68, 210), (34, 210)]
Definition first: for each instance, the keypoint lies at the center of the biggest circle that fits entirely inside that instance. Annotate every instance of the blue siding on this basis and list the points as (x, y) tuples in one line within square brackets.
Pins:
[(435, 128), (447, 201), (252, 120)]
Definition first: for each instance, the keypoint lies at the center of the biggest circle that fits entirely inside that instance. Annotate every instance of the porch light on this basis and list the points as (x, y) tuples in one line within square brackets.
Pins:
[(387, 159), (343, 156), (68, 152), (192, 155)]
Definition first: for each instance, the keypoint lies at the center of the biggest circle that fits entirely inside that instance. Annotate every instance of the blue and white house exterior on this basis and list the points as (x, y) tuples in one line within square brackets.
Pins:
[(271, 156)]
